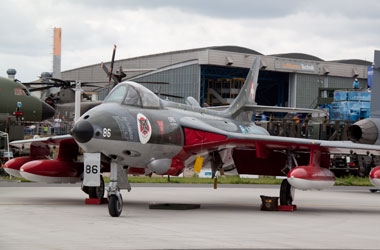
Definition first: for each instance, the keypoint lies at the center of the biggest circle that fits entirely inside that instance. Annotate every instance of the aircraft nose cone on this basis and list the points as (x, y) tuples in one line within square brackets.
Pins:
[(47, 111), (82, 131)]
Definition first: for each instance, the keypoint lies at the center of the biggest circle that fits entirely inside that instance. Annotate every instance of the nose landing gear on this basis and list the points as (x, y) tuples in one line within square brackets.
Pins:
[(118, 180)]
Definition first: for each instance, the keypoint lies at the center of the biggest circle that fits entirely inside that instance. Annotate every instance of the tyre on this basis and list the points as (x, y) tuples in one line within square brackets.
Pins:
[(97, 192), (115, 205)]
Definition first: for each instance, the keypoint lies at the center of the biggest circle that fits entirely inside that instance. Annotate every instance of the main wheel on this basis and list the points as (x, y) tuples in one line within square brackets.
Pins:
[(286, 193), (97, 192), (115, 205)]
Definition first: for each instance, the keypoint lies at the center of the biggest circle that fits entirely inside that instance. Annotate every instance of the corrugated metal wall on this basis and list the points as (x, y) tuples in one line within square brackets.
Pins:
[(339, 82), (307, 87)]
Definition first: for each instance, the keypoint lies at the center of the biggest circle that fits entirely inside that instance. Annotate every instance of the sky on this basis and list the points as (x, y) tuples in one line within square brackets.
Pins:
[(328, 29)]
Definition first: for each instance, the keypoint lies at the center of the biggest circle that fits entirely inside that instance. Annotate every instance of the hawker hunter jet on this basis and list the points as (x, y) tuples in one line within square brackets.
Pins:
[(135, 132), (16, 100)]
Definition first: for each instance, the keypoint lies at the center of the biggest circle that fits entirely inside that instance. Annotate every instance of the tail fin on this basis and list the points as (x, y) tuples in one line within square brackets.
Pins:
[(247, 93)]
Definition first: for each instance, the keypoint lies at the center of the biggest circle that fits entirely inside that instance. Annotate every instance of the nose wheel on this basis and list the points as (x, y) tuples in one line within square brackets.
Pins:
[(115, 204)]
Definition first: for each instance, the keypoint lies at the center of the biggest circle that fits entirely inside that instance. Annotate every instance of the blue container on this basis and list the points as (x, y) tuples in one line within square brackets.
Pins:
[(363, 96), (340, 95), (349, 110)]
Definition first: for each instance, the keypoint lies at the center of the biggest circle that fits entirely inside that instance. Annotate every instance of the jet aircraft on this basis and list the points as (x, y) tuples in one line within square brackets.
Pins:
[(135, 132), (16, 100)]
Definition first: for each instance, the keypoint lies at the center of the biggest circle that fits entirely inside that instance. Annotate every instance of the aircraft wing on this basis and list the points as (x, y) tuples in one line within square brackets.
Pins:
[(262, 108), (40, 141), (220, 133), (51, 160)]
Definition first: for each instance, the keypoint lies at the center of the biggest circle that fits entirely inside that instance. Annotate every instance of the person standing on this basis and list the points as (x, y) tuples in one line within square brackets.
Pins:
[(63, 125), (57, 125), (45, 129), (356, 83)]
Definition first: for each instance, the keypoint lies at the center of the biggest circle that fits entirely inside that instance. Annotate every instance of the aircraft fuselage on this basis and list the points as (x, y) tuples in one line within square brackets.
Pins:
[(149, 137)]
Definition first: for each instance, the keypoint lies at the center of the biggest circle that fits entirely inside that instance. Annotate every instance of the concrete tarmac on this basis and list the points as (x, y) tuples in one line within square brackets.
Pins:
[(34, 216)]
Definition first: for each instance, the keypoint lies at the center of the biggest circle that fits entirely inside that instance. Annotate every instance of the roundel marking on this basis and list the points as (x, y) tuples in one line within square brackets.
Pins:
[(144, 128)]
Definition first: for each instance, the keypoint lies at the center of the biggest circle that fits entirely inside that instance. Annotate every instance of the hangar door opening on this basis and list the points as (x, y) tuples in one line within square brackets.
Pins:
[(220, 85), (273, 89)]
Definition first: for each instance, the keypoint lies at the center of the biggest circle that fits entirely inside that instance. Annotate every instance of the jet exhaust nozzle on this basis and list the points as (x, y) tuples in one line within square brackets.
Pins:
[(365, 131)]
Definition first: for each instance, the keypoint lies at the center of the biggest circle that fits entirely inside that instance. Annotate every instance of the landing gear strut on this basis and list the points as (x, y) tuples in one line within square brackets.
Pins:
[(216, 163), (118, 180), (286, 190), (286, 193)]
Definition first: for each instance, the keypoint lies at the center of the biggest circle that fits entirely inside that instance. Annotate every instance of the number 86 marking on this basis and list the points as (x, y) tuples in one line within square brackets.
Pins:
[(106, 132)]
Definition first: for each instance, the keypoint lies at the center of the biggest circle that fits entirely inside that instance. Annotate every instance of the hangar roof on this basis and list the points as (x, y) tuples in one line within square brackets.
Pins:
[(227, 48), (301, 56), (239, 49), (217, 55), (236, 49), (354, 61)]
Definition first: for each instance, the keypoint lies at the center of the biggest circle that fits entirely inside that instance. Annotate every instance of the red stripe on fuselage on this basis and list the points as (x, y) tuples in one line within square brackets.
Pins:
[(198, 137)]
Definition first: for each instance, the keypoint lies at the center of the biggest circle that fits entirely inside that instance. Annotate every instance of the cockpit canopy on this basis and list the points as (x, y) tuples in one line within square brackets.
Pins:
[(133, 94)]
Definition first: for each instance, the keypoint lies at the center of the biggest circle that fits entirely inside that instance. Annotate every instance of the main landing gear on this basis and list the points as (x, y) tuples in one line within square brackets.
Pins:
[(118, 180), (286, 190), (95, 192), (286, 193)]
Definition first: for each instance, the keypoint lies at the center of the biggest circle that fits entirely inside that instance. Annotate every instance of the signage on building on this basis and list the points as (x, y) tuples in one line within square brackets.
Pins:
[(294, 66)]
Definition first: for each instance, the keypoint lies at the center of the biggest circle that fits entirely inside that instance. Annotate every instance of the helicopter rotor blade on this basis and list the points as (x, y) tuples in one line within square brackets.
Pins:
[(39, 88), (151, 82), (112, 63), (169, 95)]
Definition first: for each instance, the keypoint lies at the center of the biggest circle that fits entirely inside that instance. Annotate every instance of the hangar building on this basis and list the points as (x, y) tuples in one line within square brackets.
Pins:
[(214, 75)]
